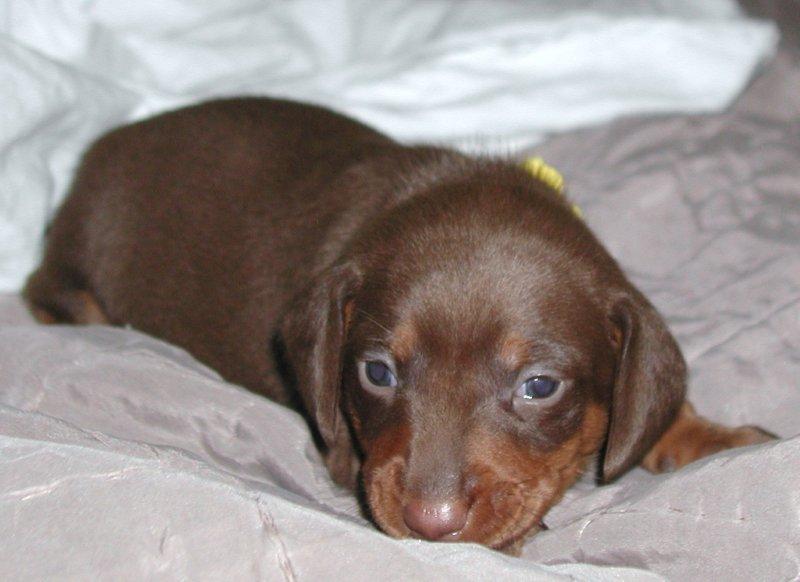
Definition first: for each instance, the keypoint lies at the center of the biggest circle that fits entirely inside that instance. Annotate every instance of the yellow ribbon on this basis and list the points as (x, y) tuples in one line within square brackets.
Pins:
[(543, 172)]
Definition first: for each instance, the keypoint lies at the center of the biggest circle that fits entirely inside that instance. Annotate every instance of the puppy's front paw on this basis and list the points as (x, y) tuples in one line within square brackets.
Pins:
[(692, 437)]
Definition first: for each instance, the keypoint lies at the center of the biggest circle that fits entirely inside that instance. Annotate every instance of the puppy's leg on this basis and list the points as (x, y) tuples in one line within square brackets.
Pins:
[(692, 437), (54, 298)]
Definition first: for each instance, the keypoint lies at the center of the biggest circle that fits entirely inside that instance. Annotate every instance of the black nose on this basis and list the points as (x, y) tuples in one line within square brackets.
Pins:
[(434, 519)]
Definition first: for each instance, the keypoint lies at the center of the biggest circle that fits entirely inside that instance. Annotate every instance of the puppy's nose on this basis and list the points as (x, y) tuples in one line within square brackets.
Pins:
[(435, 519)]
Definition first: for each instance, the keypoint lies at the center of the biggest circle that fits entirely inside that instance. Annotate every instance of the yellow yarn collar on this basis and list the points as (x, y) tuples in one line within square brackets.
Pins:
[(547, 174)]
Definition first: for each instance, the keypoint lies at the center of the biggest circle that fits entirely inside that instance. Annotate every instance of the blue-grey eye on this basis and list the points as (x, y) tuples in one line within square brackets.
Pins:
[(378, 373), (538, 387)]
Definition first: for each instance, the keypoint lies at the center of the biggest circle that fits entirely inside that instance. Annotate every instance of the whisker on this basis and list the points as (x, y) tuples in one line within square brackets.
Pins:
[(375, 321)]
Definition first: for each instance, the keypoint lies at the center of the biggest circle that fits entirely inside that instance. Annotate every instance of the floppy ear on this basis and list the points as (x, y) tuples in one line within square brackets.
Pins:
[(649, 388), (313, 334)]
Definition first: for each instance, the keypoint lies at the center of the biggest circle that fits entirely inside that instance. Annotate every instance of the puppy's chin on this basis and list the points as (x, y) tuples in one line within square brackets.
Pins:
[(508, 487), (502, 515)]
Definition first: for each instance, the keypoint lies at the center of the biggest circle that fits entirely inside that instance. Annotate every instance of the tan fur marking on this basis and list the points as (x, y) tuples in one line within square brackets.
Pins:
[(693, 437), (617, 337), (513, 486), (91, 312), (347, 314), (404, 342), (383, 471), (514, 351), (531, 483)]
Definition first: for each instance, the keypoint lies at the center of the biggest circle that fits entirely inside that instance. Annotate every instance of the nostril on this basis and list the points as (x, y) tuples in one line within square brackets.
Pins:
[(435, 519)]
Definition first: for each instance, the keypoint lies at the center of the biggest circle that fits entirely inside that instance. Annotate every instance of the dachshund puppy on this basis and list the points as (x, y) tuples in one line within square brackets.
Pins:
[(457, 337)]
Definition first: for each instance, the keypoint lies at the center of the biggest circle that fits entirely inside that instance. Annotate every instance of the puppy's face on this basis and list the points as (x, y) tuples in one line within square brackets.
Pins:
[(479, 347), (477, 392)]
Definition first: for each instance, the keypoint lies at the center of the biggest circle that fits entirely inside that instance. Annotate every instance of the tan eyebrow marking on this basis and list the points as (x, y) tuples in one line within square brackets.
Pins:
[(514, 351), (404, 341)]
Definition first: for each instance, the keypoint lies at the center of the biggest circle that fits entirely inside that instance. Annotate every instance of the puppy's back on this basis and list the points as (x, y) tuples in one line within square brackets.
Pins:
[(198, 225)]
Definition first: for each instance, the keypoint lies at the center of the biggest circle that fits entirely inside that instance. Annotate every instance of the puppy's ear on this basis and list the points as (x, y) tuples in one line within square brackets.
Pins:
[(313, 335), (650, 384)]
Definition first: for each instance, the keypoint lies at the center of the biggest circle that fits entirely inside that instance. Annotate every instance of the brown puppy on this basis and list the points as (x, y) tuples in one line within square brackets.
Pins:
[(452, 329)]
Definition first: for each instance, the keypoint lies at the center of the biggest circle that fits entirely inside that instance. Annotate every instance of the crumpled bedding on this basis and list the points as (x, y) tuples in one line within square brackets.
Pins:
[(123, 458), (704, 214)]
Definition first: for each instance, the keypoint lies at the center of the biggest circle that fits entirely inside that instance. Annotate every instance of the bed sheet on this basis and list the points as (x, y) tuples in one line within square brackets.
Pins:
[(123, 458)]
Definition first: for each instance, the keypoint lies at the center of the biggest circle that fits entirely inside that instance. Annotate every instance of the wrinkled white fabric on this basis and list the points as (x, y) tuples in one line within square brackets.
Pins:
[(490, 73)]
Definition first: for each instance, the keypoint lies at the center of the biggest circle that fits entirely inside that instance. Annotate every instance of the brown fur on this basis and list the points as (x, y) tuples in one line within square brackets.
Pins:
[(283, 244)]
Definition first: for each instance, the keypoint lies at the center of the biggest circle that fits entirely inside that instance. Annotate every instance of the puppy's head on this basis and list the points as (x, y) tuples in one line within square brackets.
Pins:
[(475, 349)]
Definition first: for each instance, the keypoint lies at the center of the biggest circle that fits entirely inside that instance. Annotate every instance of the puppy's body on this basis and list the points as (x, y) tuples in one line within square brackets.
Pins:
[(451, 327), (199, 226)]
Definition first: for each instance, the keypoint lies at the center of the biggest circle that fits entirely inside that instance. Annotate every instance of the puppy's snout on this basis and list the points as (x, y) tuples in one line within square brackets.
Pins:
[(434, 519)]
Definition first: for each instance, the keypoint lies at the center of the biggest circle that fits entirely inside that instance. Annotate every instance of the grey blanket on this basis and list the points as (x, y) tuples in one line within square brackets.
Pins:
[(123, 458)]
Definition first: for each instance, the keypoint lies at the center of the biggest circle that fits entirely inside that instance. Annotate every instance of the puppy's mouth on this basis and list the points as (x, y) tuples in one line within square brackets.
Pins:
[(500, 515), (503, 537)]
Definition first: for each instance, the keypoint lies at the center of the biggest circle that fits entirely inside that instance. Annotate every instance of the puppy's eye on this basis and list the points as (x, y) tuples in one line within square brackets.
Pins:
[(538, 387), (377, 373)]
